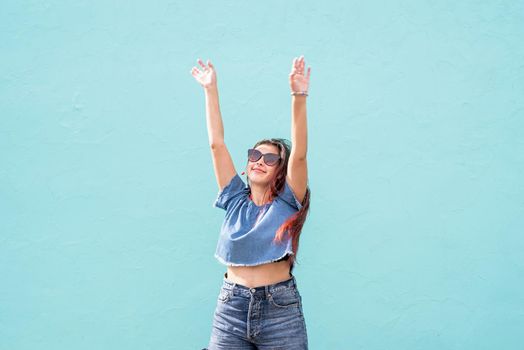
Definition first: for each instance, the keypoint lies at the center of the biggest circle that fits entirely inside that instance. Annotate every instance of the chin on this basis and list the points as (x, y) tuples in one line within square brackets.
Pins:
[(259, 179), (255, 175)]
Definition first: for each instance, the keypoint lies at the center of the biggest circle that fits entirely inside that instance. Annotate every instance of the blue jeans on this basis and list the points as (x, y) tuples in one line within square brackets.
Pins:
[(265, 317)]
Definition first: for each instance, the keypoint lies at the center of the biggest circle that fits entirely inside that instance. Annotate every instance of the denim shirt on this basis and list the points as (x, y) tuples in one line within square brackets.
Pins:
[(246, 235)]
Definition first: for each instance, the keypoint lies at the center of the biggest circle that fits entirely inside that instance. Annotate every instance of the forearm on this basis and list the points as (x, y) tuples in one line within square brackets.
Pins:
[(299, 126), (215, 127)]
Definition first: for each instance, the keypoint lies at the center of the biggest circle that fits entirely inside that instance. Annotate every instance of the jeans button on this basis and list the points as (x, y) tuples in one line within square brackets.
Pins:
[(252, 290)]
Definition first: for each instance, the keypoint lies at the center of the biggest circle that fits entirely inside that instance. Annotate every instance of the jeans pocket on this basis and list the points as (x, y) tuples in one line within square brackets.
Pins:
[(285, 299), (224, 295)]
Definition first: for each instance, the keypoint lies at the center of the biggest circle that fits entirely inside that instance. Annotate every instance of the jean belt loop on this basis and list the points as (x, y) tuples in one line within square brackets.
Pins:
[(267, 291)]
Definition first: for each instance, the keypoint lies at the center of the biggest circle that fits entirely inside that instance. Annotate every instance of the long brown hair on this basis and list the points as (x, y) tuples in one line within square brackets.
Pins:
[(293, 225)]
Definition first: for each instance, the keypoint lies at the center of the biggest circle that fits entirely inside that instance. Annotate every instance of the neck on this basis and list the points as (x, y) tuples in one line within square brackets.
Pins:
[(259, 194)]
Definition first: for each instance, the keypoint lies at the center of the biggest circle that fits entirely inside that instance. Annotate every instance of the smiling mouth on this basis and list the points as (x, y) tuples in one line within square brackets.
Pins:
[(258, 171)]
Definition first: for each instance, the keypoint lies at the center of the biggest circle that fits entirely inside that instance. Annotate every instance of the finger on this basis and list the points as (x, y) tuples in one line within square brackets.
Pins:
[(308, 72), (298, 65), (201, 64), (195, 71), (210, 64)]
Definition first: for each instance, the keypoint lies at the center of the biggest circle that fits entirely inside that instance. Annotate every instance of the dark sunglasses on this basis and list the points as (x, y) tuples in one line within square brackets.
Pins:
[(269, 158)]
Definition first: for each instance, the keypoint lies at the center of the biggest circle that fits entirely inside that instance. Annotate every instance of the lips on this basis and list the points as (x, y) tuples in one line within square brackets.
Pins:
[(258, 170)]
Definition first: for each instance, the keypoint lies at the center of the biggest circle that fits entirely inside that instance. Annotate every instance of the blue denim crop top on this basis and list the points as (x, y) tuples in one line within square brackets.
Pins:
[(246, 235)]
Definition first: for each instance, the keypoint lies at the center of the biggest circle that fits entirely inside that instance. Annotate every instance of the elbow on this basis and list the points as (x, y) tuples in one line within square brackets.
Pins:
[(216, 145), (301, 158)]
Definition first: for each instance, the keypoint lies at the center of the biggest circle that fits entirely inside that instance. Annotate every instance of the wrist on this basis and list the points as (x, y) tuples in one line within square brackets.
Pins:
[(211, 89), (299, 93)]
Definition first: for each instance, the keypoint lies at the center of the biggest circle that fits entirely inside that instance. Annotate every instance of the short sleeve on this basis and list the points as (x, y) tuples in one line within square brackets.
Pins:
[(230, 192), (289, 197)]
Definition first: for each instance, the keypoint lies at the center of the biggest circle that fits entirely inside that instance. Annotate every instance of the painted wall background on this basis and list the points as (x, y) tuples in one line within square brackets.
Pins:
[(416, 160)]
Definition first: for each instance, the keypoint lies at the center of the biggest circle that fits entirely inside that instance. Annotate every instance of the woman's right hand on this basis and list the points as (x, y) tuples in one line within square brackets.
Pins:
[(207, 76)]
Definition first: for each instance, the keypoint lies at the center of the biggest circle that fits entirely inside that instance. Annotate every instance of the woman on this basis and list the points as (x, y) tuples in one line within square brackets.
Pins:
[(259, 305)]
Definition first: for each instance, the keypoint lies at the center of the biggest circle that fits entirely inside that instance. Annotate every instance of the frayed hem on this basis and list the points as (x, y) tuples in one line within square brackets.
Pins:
[(255, 264), (286, 253)]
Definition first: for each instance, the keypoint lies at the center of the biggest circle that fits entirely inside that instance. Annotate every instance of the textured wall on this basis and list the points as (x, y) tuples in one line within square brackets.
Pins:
[(416, 159)]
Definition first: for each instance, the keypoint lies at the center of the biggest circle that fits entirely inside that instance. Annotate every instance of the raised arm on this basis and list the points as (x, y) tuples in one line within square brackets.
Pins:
[(222, 162), (297, 165)]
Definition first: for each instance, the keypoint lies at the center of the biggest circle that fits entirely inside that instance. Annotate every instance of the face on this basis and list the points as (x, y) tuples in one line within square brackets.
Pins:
[(259, 172)]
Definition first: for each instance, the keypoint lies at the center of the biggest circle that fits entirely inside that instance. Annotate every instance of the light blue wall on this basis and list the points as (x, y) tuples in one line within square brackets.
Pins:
[(416, 159)]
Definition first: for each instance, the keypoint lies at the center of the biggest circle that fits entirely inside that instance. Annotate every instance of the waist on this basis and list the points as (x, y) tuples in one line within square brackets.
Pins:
[(260, 275), (287, 282)]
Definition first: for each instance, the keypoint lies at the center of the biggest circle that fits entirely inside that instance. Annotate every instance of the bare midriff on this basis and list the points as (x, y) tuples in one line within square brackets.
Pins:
[(260, 275)]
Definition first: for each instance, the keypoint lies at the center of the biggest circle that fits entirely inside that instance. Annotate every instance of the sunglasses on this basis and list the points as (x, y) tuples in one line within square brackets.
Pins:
[(269, 158)]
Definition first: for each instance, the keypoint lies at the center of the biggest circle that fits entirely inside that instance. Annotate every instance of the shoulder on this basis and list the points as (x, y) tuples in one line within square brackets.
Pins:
[(235, 190), (288, 196)]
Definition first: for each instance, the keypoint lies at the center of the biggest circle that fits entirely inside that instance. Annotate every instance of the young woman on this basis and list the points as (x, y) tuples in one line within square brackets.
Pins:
[(259, 305)]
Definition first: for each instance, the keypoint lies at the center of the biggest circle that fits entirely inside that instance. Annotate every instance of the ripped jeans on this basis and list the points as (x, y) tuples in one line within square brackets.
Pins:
[(265, 317)]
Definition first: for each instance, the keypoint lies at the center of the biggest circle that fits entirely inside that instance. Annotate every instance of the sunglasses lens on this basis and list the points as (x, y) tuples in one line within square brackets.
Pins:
[(253, 154), (271, 159)]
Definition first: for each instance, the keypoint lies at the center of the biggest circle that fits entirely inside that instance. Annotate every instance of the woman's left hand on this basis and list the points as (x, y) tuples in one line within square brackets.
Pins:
[(297, 80)]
